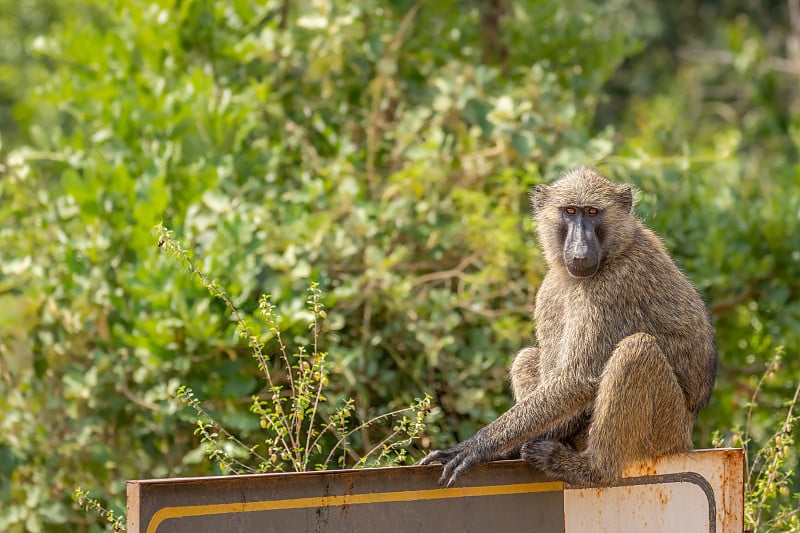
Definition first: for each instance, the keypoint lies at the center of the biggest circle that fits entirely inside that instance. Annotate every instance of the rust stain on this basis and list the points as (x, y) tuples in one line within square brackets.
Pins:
[(733, 473), (663, 497), (643, 468), (348, 492), (322, 513)]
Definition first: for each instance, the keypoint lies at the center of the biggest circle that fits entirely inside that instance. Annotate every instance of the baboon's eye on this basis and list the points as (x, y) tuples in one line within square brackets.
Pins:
[(591, 211), (570, 210)]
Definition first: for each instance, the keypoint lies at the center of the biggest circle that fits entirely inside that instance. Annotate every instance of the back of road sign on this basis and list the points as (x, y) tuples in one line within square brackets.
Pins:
[(698, 491)]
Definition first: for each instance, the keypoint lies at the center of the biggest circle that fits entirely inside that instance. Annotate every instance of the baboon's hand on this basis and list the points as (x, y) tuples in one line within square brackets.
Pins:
[(458, 459)]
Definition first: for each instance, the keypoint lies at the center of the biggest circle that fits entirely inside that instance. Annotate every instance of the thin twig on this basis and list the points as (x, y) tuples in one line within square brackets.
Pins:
[(455, 272), (318, 367), (364, 425), (771, 477)]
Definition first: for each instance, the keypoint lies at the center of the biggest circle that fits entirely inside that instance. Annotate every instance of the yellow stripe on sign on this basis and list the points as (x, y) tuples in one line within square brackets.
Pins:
[(188, 511)]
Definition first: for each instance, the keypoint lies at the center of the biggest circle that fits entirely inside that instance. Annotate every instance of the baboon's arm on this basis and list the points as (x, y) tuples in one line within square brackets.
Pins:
[(550, 403)]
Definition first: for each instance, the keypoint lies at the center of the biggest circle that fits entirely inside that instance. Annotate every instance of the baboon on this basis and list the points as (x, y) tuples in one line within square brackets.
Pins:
[(625, 353)]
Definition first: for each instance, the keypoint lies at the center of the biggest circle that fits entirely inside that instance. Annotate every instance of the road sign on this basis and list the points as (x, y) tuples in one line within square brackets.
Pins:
[(698, 491)]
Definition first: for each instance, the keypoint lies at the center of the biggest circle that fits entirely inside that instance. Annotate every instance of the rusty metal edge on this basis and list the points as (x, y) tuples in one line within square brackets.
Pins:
[(309, 473), (133, 511), (735, 472), (158, 481)]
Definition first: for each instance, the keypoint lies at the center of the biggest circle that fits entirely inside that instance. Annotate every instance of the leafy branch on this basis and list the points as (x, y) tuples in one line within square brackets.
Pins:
[(83, 500), (768, 478), (296, 416)]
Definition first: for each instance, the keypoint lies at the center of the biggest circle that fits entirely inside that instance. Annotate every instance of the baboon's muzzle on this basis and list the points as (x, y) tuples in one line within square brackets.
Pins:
[(581, 247)]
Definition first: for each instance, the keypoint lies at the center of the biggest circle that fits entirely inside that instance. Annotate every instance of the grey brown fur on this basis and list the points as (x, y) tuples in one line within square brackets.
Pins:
[(625, 354)]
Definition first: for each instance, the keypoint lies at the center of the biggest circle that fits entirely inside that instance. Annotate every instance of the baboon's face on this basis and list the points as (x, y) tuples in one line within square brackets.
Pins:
[(581, 233), (583, 219)]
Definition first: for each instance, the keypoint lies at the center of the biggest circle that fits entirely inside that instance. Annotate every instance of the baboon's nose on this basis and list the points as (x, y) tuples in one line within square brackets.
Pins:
[(580, 252), (581, 261)]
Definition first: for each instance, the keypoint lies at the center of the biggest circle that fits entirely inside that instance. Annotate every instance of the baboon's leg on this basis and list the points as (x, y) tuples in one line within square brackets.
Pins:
[(640, 412), (524, 372)]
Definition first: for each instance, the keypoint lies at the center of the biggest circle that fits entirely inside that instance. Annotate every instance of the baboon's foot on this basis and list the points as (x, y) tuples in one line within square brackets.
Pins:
[(560, 461)]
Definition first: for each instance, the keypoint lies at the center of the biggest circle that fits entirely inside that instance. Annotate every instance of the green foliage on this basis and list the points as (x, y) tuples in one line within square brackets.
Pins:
[(769, 503), (385, 150), (21, 21), (302, 427)]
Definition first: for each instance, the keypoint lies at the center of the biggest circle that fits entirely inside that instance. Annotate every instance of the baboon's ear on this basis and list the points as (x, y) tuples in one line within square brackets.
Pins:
[(626, 197), (539, 196)]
